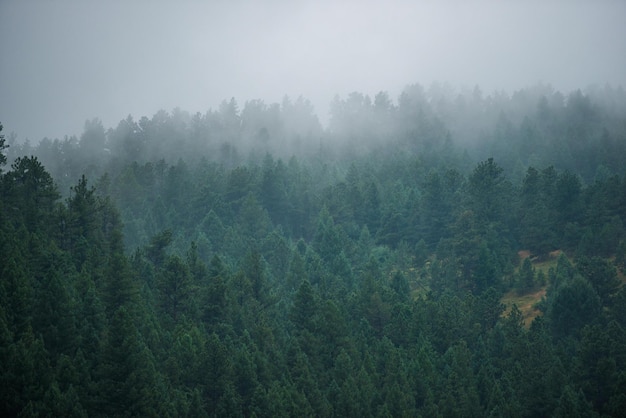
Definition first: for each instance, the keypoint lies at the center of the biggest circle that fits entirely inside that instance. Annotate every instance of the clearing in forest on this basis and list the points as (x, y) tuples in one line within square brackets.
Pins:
[(528, 302)]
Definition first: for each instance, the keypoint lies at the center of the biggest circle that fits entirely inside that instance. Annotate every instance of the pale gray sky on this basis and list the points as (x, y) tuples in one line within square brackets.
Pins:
[(62, 62)]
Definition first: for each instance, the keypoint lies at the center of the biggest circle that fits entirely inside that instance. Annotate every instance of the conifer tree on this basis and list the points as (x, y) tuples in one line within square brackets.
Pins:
[(127, 379)]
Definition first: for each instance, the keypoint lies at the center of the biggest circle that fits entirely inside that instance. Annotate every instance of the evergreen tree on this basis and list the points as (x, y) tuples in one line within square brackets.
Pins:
[(600, 364), (526, 276), (572, 404), (178, 298), (120, 287), (54, 315), (459, 394), (573, 305), (82, 232), (3, 146), (217, 371), (602, 276), (215, 293), (485, 273), (29, 190), (488, 190), (304, 311), (128, 382)]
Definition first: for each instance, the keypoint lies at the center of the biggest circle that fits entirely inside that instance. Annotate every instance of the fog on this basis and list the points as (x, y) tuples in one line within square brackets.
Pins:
[(64, 62)]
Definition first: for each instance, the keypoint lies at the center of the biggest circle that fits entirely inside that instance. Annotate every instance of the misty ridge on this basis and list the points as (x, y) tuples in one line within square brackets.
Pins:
[(532, 126)]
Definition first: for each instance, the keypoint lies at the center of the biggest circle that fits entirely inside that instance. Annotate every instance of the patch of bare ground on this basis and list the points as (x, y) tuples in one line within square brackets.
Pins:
[(526, 303)]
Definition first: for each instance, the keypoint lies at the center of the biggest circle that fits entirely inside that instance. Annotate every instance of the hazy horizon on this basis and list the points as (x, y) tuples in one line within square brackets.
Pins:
[(64, 62)]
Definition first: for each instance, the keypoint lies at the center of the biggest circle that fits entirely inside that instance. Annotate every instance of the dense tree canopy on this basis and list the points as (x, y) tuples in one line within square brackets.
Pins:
[(248, 262)]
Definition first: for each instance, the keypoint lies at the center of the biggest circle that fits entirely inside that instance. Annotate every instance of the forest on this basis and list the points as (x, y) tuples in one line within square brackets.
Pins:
[(446, 253)]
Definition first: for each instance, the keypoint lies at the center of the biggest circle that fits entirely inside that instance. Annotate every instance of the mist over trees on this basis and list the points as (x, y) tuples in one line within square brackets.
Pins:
[(442, 253), (535, 126)]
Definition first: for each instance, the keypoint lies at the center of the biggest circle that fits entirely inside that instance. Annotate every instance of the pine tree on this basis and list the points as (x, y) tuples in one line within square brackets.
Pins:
[(573, 405), (54, 315), (177, 293), (3, 146), (127, 379), (120, 287), (215, 292), (602, 276), (305, 308), (573, 305), (217, 370), (526, 276), (30, 191)]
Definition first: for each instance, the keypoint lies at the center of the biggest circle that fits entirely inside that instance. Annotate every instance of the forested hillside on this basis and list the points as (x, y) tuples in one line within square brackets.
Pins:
[(251, 262)]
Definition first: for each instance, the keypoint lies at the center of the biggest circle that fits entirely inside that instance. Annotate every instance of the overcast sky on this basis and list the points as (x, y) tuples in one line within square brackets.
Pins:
[(62, 62)]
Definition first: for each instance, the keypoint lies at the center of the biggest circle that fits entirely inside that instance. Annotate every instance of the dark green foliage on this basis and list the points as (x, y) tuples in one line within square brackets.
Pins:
[(304, 311), (488, 191), (29, 194), (155, 252), (459, 385), (120, 288), (213, 304), (55, 316), (537, 210), (600, 366), (485, 273), (602, 276), (177, 290), (573, 305), (572, 404), (526, 276), (357, 280), (126, 374), (437, 207), (3, 146)]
